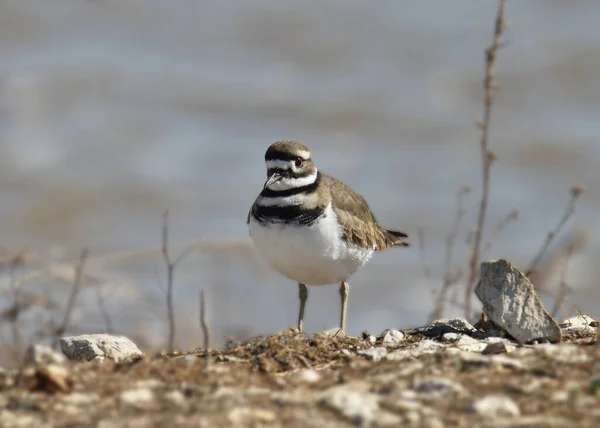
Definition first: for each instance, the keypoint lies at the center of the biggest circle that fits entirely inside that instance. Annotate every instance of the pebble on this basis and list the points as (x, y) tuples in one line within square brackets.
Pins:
[(392, 337), (495, 406), (434, 388), (307, 376)]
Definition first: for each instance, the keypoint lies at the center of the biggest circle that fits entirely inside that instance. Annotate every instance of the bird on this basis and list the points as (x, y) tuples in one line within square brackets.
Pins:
[(312, 228)]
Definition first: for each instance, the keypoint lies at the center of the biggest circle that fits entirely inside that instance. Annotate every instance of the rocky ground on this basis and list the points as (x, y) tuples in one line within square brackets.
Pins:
[(433, 377), (517, 367)]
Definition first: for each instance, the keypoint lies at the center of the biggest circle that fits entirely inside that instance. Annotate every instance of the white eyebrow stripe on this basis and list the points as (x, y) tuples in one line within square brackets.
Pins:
[(304, 154), (280, 164)]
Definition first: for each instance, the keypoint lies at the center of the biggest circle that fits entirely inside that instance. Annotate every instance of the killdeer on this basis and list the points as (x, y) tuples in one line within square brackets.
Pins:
[(312, 228)]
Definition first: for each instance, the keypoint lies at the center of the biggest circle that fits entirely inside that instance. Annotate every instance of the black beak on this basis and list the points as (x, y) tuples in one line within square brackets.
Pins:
[(274, 178)]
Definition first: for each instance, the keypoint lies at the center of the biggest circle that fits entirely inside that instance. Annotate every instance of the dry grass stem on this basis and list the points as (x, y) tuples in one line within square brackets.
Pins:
[(103, 311), (77, 282), (450, 278), (170, 265), (576, 191), (564, 288), (502, 225), (487, 156), (205, 329)]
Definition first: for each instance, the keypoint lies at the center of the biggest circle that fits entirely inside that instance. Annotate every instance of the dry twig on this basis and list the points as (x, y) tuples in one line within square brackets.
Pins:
[(170, 265), (77, 282), (487, 156), (564, 287), (576, 191)]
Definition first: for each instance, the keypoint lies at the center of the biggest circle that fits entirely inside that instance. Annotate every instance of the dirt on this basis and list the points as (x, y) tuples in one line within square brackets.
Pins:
[(321, 381)]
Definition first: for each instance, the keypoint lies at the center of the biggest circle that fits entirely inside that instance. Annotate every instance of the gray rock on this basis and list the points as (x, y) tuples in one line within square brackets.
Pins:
[(99, 347), (358, 407), (450, 337), (374, 354), (495, 406), (41, 354), (495, 348), (392, 337), (510, 301), (140, 398)]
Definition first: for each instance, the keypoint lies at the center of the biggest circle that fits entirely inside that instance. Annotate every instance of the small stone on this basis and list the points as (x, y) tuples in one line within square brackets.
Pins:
[(40, 354), (510, 301), (495, 348), (175, 397), (495, 406), (434, 388), (579, 323), (99, 347), (307, 376), (467, 343), (560, 397), (374, 354), (392, 337), (450, 337), (142, 398), (360, 408)]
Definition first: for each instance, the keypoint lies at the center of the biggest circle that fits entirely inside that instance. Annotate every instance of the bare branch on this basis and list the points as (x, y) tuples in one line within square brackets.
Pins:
[(564, 288), (576, 191), (77, 282), (512, 216), (487, 156)]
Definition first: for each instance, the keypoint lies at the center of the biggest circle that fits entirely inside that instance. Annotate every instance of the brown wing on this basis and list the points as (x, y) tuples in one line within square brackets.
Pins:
[(359, 223)]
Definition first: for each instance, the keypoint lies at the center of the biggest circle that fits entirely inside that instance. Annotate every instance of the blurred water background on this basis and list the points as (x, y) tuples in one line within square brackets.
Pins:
[(112, 111)]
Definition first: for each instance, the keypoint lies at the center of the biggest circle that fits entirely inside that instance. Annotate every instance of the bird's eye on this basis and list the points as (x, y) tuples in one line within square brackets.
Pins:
[(299, 162)]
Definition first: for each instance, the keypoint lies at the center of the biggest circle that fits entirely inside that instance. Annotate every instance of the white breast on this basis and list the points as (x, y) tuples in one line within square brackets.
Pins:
[(312, 255)]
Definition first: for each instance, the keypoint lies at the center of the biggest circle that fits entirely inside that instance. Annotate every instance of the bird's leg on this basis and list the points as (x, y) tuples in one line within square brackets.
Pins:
[(303, 292), (344, 289)]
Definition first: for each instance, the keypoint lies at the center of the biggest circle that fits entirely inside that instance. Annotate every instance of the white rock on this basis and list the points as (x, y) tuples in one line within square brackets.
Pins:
[(141, 398), (495, 406), (579, 323), (99, 347), (450, 337), (40, 354), (510, 301), (307, 376), (392, 337), (424, 347), (374, 354), (360, 408)]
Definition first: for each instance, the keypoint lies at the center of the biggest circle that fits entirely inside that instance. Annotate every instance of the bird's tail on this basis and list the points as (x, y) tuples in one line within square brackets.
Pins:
[(397, 238)]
